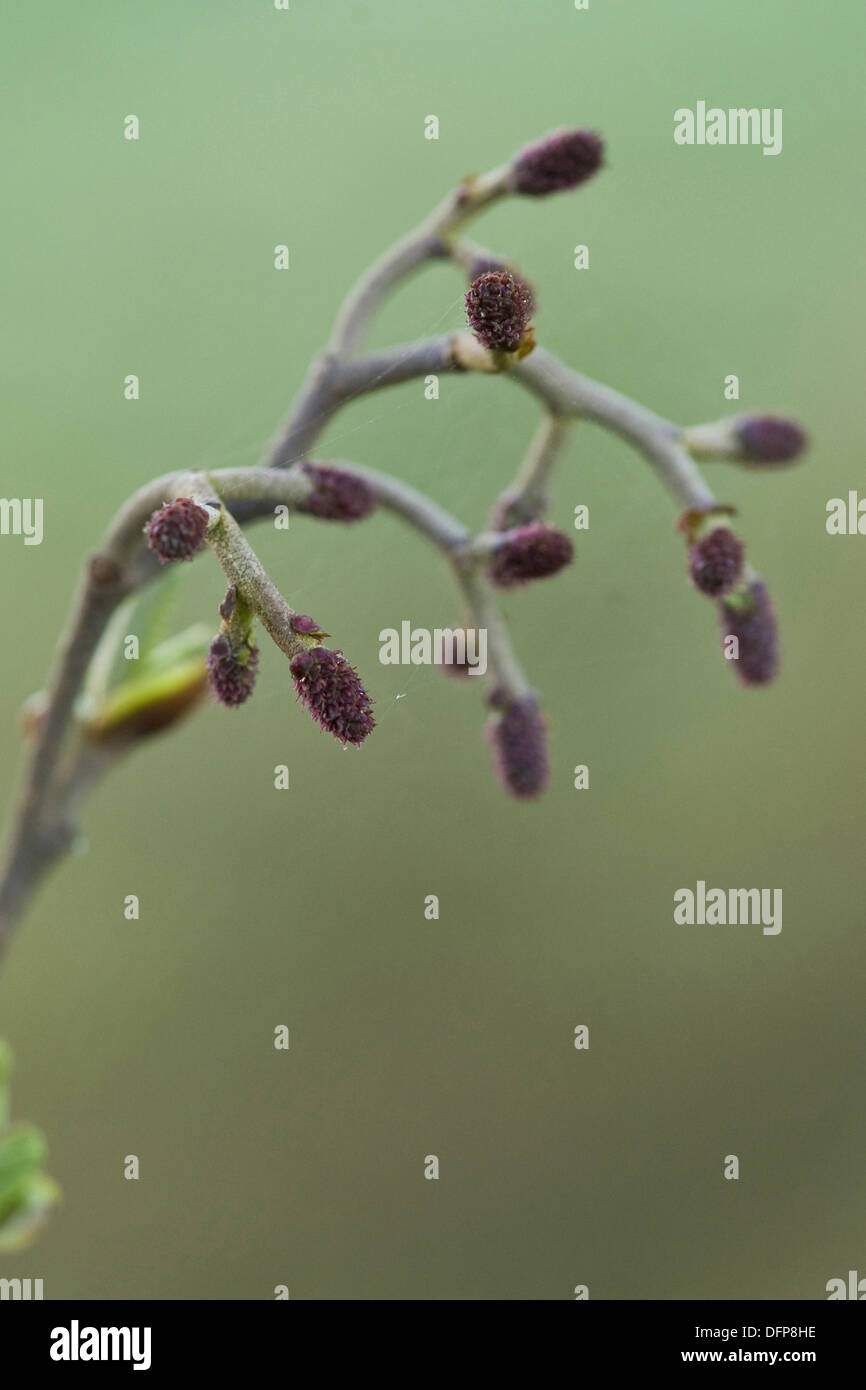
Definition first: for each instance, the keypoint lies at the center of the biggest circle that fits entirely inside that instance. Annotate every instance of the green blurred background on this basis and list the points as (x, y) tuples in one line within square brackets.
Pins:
[(305, 907)]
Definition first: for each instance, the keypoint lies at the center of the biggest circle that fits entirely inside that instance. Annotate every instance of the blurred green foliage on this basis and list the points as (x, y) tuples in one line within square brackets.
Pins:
[(26, 1193)]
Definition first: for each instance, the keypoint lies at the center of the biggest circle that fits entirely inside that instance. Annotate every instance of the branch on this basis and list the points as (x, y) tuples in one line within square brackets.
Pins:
[(570, 393), (485, 615), (430, 239), (54, 785), (123, 563), (43, 824), (566, 393), (332, 383), (245, 571), (528, 497)]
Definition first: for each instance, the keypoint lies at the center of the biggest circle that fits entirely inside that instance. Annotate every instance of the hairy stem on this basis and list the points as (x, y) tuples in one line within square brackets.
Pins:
[(243, 569)]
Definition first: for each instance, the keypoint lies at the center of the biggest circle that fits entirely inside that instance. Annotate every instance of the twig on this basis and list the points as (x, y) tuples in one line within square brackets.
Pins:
[(528, 497)]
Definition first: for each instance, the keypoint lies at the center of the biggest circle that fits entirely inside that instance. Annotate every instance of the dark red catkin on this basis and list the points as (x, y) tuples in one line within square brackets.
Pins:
[(562, 160), (331, 690), (716, 562), (498, 309), (178, 530), (534, 551), (749, 616), (519, 741)]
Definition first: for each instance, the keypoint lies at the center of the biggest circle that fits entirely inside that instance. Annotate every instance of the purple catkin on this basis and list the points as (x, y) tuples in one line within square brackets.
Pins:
[(232, 670), (562, 160), (716, 562), (756, 630), (498, 308), (332, 692), (484, 265), (337, 495), (520, 748), (178, 530), (770, 439), (535, 551)]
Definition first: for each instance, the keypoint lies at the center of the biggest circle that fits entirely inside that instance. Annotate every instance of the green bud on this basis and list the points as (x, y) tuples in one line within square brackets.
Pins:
[(167, 685)]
